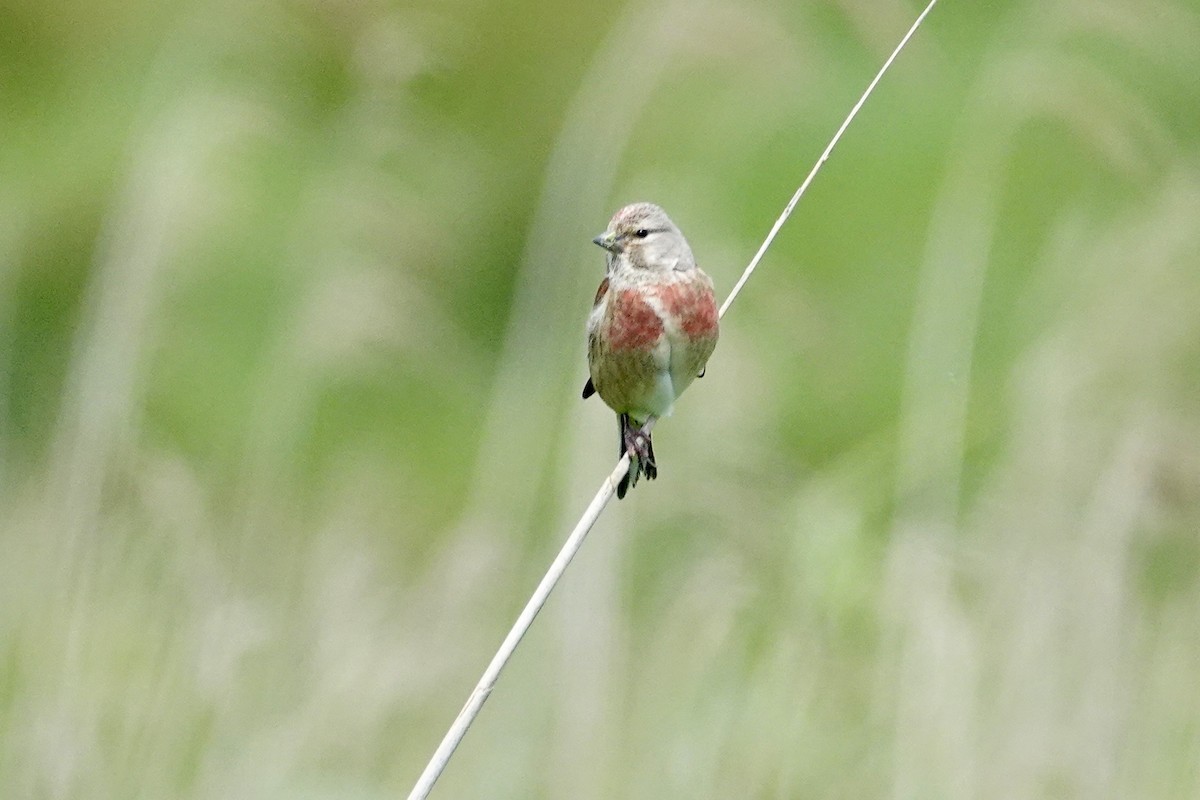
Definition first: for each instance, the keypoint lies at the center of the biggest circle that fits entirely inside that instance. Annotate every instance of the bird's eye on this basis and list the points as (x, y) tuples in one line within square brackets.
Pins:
[(641, 233)]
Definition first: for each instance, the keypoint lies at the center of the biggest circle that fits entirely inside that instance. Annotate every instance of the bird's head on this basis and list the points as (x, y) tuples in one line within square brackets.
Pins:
[(642, 236)]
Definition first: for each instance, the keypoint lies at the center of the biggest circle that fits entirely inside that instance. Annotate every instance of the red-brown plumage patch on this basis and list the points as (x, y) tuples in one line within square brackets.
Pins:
[(634, 324), (603, 290), (693, 305)]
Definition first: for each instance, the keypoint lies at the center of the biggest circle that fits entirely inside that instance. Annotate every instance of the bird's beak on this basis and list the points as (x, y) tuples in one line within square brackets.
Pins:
[(607, 240)]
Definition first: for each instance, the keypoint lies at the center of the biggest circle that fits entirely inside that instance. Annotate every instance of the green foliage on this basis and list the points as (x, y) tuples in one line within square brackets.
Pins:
[(291, 309)]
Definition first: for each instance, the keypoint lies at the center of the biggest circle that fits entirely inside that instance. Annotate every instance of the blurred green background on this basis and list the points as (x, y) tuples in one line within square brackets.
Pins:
[(292, 296)]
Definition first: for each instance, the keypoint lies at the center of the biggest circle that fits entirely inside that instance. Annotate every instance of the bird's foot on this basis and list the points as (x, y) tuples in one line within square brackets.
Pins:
[(639, 446)]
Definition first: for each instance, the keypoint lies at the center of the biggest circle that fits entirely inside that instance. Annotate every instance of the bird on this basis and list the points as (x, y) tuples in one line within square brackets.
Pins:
[(653, 326)]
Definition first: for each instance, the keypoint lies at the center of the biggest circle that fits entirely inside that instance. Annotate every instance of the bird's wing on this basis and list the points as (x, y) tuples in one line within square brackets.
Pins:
[(589, 388), (601, 291)]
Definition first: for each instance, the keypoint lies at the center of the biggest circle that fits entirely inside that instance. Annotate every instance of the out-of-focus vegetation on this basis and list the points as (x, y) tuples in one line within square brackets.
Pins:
[(291, 309)]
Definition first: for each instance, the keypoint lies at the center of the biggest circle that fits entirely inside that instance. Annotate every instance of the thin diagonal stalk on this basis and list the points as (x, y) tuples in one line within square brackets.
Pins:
[(483, 689)]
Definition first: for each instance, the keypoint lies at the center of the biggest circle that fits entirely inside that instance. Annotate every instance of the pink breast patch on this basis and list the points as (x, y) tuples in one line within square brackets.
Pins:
[(634, 323), (693, 305)]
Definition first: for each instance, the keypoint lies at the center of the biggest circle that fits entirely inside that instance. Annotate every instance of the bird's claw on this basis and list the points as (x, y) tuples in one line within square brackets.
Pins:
[(637, 444)]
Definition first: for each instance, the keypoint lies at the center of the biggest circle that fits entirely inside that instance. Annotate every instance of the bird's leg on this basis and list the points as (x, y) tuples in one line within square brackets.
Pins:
[(639, 446)]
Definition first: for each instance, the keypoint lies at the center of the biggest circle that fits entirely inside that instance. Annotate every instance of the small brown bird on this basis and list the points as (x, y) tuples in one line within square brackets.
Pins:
[(652, 328)]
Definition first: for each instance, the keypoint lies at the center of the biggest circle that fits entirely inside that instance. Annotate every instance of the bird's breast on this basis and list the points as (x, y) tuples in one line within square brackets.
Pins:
[(634, 324), (690, 305)]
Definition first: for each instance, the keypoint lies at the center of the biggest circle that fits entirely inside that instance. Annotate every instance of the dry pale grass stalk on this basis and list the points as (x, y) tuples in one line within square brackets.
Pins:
[(483, 689)]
